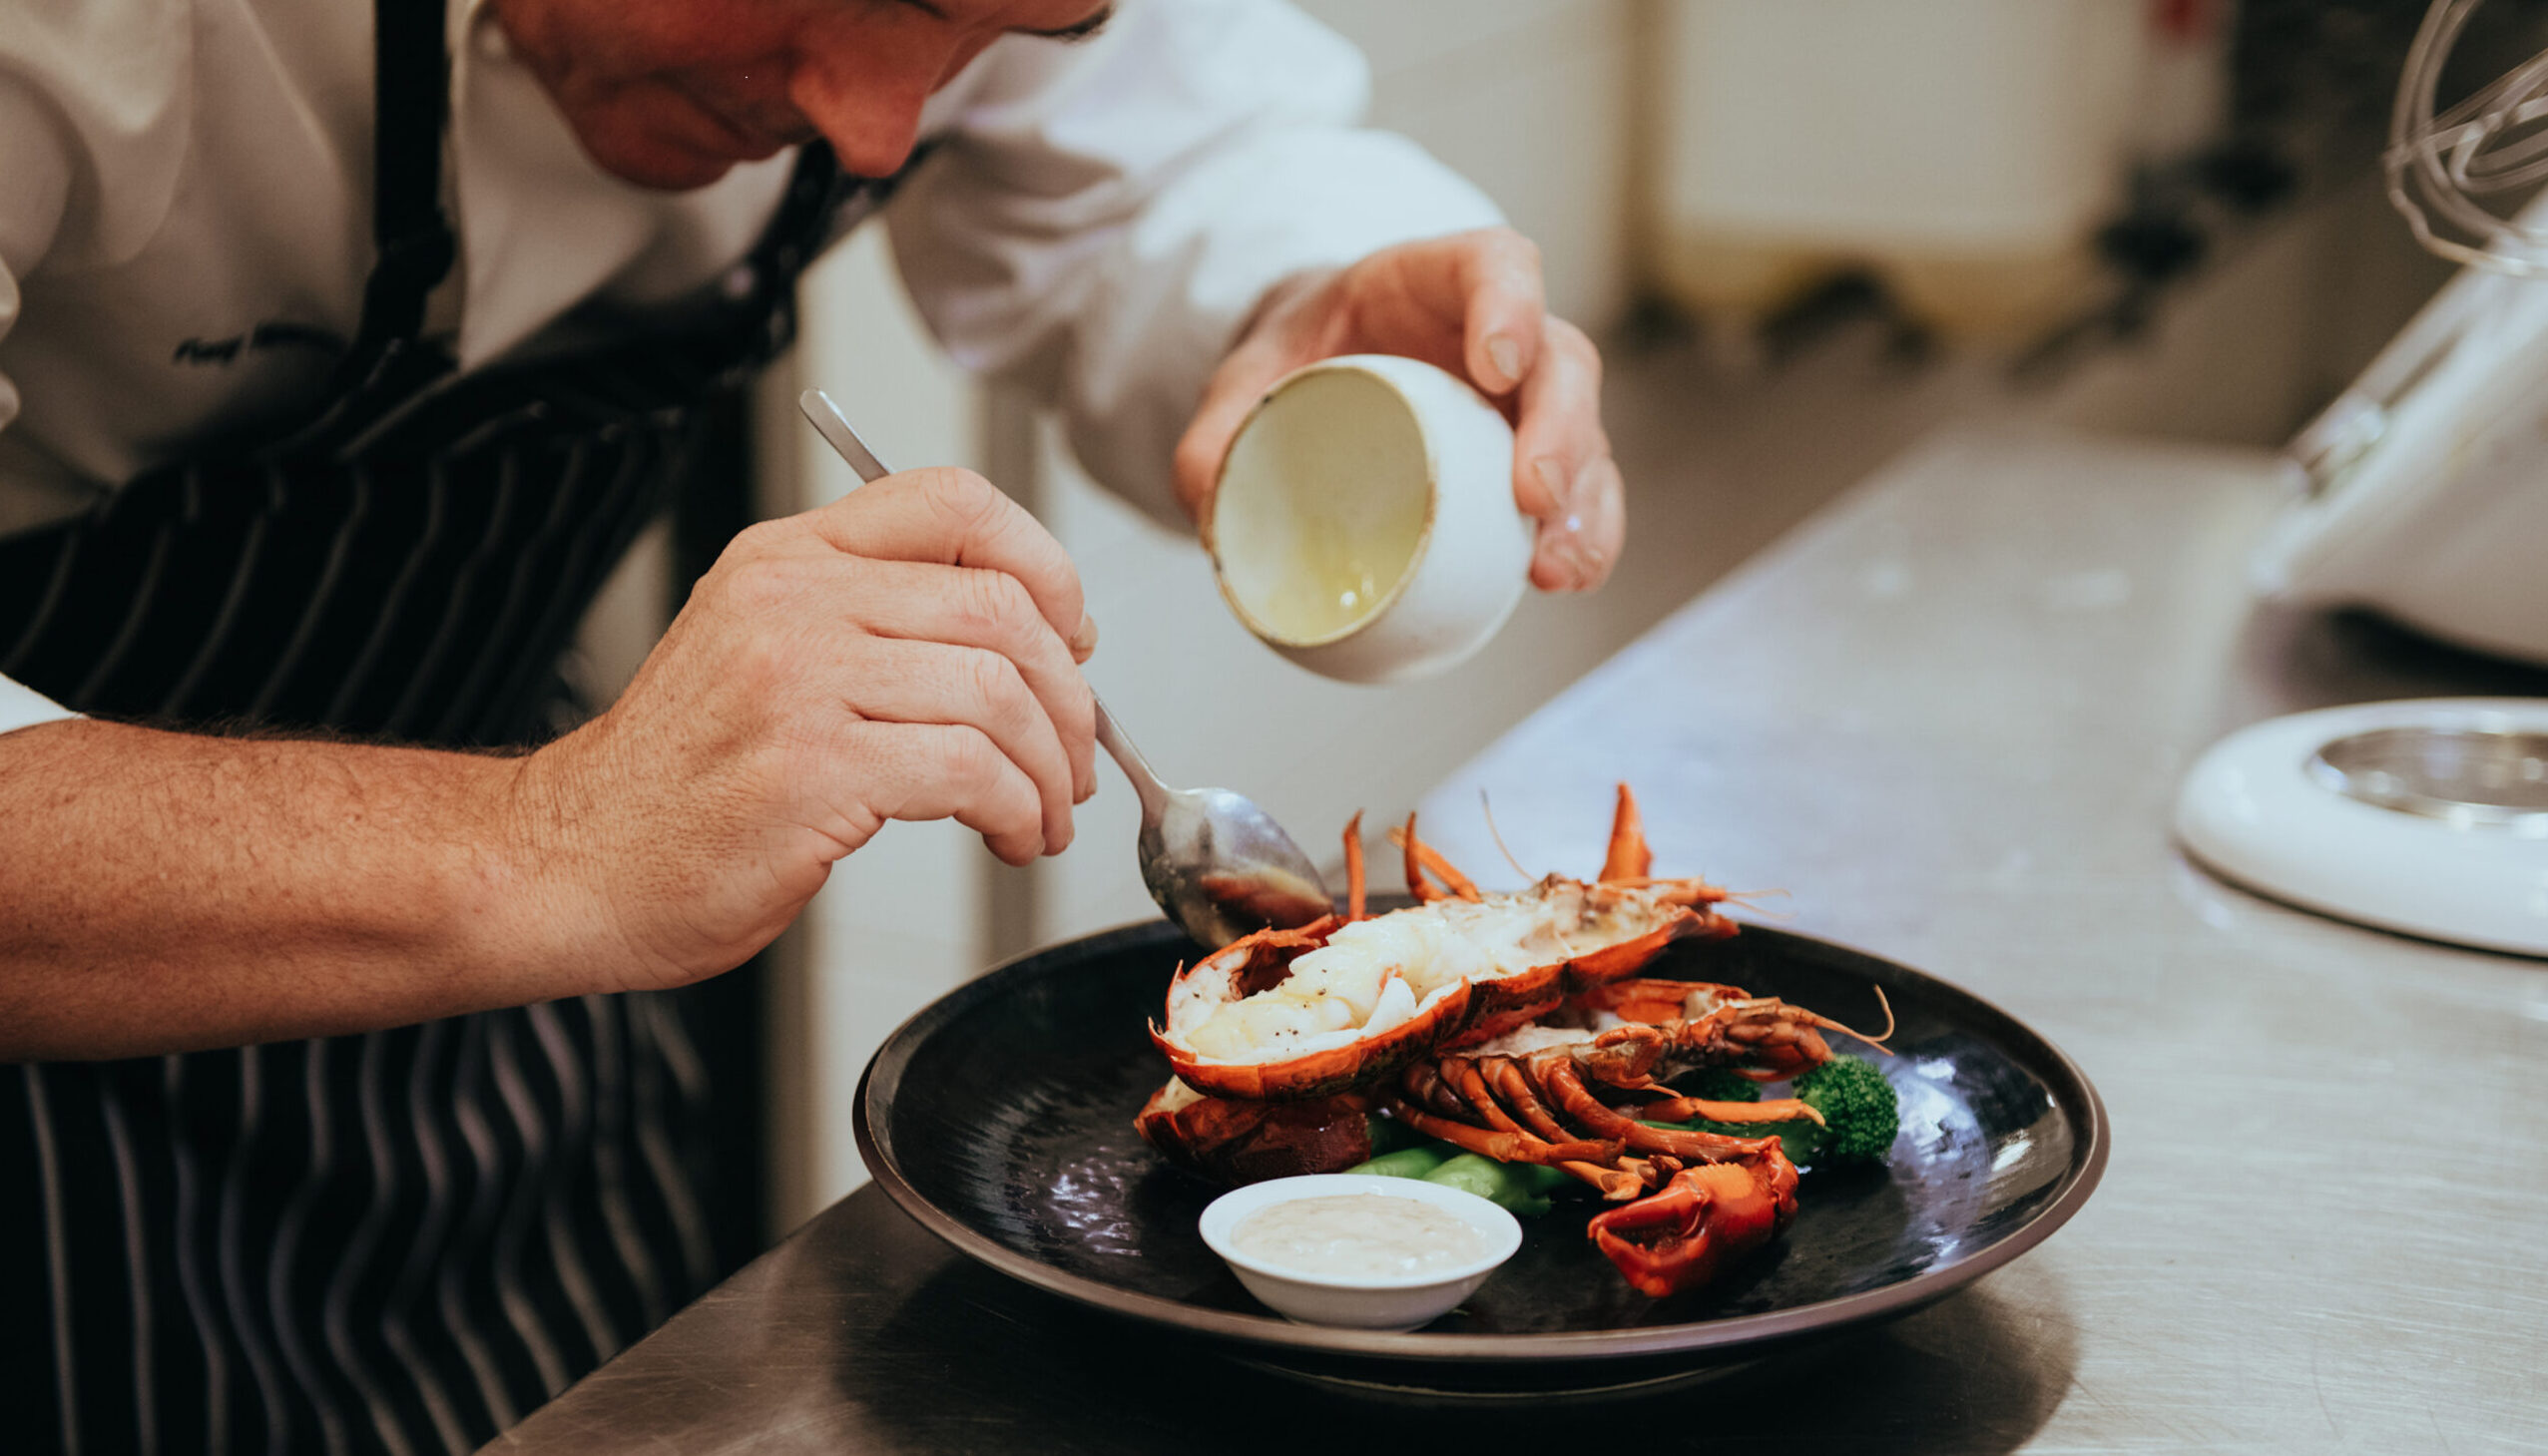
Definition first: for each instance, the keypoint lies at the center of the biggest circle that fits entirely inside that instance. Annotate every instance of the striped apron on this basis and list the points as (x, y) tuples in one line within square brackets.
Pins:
[(403, 1240)]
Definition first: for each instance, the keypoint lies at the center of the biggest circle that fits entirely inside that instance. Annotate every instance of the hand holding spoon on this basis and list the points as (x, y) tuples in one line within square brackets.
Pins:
[(1219, 866)]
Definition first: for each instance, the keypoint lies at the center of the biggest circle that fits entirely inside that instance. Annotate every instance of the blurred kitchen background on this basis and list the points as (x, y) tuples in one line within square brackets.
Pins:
[(1807, 231)]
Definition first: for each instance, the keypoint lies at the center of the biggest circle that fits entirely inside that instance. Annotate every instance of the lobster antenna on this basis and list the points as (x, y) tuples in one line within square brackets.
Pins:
[(1488, 809), (1751, 901), (1877, 1041)]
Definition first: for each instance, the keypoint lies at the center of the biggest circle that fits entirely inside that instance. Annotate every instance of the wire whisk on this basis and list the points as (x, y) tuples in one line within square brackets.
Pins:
[(2450, 172)]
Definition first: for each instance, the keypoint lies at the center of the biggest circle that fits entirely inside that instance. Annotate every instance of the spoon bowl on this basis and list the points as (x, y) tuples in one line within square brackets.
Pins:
[(1216, 865)]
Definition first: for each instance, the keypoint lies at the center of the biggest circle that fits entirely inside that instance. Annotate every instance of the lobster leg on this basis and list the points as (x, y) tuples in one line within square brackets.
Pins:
[(1775, 1109), (1354, 897), (1616, 1184), (1604, 1121), (1465, 1078), (1630, 862), (1514, 1086), (1423, 858), (1502, 1147), (1629, 859), (1423, 1084)]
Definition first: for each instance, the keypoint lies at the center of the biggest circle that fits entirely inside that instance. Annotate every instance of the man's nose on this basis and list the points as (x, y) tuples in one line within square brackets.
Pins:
[(867, 108)]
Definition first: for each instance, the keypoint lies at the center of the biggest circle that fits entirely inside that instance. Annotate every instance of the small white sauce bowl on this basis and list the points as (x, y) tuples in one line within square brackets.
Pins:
[(1399, 1302), (1405, 467)]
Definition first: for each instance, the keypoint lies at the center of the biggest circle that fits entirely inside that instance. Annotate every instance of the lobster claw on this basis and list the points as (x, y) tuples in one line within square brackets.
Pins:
[(1675, 1238)]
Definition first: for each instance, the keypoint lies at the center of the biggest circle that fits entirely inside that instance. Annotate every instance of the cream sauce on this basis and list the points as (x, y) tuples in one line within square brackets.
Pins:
[(1322, 505), (1330, 581), (1358, 1236)]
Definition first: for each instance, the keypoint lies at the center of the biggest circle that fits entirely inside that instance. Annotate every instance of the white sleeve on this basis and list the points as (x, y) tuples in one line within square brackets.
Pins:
[(1101, 217), (22, 706), (35, 190)]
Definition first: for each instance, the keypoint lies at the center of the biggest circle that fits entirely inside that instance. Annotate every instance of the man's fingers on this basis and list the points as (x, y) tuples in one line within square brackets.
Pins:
[(1471, 302), (1577, 552), (1233, 391), (954, 517), (976, 608), (1506, 306), (1560, 431), (941, 772), (1562, 469), (889, 680)]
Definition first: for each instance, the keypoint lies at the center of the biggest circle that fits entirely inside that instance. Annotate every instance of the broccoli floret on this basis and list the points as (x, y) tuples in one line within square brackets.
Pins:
[(1861, 1114), (1859, 1117), (1716, 1083)]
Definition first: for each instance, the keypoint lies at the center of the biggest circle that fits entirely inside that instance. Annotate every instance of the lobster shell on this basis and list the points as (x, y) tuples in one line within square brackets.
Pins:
[(1235, 1143), (1260, 962), (1505, 1002), (1459, 1013), (1628, 957)]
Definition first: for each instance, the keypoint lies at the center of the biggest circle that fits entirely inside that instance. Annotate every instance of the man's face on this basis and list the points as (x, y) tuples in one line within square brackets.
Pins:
[(671, 93)]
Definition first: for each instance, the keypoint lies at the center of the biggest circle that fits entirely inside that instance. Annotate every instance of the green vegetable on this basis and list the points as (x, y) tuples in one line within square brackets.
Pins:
[(1716, 1083), (1405, 1153), (1406, 1162), (1861, 1115), (1520, 1186)]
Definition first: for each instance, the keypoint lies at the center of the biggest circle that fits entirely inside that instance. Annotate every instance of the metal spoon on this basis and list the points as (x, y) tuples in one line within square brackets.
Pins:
[(1218, 864)]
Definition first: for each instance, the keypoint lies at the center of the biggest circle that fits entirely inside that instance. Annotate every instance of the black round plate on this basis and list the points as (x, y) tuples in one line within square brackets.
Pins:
[(1001, 1117)]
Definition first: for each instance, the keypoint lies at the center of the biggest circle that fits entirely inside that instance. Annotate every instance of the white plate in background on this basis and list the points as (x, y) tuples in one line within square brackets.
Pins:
[(2425, 816)]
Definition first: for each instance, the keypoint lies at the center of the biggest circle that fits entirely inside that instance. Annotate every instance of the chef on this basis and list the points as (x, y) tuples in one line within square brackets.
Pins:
[(345, 1104)]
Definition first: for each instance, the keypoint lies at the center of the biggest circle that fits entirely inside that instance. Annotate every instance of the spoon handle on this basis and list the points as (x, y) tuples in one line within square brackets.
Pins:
[(833, 426), (1146, 784)]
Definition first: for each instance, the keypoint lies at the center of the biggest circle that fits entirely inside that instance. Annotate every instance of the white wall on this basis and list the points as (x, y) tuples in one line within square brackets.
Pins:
[(1529, 99)]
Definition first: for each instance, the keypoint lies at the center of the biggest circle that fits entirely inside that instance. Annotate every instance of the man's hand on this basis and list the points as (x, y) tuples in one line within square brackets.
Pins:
[(1470, 303), (909, 652)]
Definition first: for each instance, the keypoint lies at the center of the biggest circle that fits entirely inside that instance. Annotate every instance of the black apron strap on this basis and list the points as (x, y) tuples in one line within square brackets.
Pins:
[(412, 70)]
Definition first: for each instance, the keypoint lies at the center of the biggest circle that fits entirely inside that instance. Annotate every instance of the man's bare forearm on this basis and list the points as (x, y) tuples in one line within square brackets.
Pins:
[(164, 892)]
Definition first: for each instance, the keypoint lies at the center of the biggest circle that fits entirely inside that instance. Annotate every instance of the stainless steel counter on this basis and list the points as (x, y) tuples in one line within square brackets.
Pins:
[(1947, 719)]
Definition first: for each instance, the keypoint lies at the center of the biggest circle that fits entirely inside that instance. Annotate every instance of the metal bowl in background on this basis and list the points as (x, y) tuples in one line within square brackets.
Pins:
[(2469, 777)]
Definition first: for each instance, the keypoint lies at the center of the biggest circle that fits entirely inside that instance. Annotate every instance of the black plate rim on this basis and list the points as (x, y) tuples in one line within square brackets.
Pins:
[(1777, 1326)]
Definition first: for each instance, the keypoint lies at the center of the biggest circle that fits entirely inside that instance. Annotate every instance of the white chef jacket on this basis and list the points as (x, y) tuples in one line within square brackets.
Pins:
[(185, 202)]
